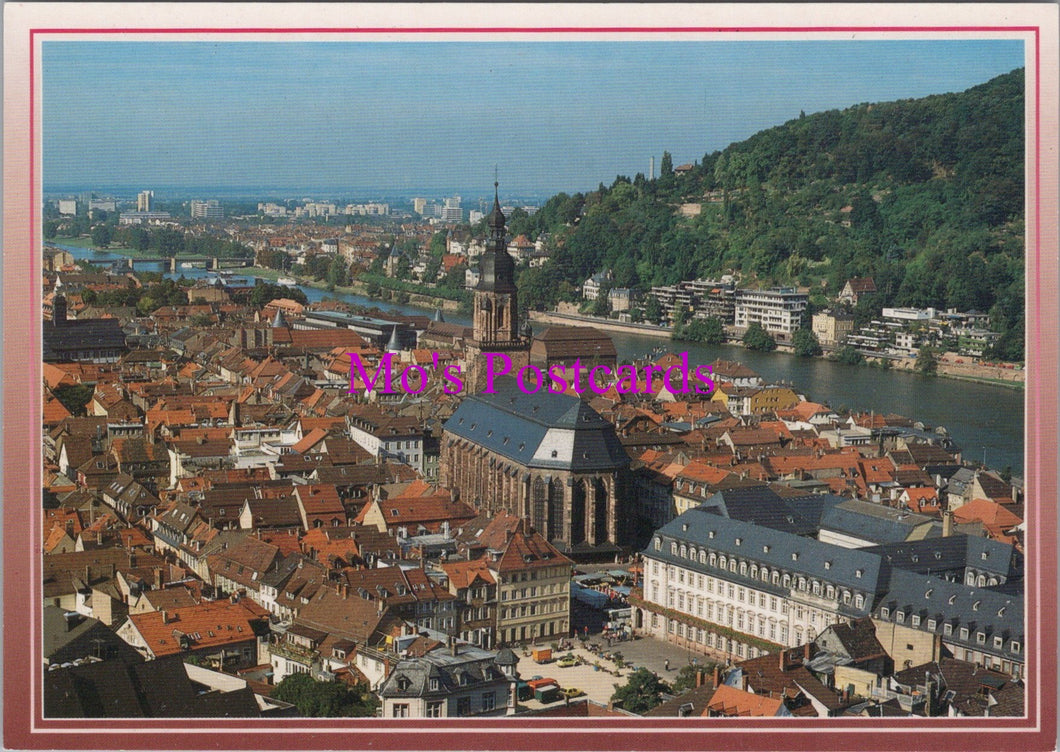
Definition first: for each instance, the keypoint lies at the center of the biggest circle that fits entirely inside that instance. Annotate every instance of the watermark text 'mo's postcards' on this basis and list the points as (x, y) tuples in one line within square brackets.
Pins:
[(413, 378)]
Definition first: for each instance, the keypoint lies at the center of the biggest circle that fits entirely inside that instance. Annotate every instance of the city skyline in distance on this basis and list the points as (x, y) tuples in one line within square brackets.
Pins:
[(409, 118)]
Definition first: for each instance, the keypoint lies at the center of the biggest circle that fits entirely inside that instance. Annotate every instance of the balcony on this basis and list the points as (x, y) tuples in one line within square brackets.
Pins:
[(298, 653)]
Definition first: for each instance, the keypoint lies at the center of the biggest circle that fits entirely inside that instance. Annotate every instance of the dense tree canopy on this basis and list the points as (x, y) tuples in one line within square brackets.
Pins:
[(924, 195), (642, 692), (318, 699)]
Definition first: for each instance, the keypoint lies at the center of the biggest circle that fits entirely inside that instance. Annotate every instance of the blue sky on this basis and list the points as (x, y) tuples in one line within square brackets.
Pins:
[(377, 118)]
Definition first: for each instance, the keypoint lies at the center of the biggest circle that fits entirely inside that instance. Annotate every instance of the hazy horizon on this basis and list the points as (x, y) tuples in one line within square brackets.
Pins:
[(400, 119)]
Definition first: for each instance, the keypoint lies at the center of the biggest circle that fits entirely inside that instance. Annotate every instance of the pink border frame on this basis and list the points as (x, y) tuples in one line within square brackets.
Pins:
[(24, 727)]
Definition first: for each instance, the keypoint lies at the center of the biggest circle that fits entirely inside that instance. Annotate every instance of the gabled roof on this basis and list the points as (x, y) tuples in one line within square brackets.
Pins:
[(206, 625), (538, 430), (732, 702)]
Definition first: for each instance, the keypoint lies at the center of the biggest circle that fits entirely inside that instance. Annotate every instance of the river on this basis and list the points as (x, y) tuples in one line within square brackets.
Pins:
[(985, 420)]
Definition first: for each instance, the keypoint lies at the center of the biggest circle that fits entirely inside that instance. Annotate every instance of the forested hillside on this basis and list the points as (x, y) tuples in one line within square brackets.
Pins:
[(924, 195)]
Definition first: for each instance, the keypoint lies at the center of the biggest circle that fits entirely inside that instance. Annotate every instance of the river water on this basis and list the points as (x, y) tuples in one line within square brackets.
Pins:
[(985, 420)]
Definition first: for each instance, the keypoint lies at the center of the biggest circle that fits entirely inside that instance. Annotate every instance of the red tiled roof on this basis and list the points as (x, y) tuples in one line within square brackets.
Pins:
[(207, 625), (732, 702)]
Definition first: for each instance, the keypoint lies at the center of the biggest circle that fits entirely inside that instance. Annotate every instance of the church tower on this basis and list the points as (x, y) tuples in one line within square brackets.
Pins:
[(496, 316), (496, 310)]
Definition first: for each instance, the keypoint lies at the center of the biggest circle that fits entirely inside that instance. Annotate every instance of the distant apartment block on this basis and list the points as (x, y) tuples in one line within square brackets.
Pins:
[(207, 210), (910, 314), (419, 205), (142, 217), (144, 201), (272, 210), (778, 311), (703, 298), (452, 212), (367, 210), (67, 207)]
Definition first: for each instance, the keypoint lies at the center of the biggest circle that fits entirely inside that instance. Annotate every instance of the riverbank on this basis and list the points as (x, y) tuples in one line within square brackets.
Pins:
[(355, 288), (607, 325), (950, 366), (117, 250)]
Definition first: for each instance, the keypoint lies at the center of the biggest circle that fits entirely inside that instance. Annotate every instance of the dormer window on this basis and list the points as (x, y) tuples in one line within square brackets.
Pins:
[(434, 684)]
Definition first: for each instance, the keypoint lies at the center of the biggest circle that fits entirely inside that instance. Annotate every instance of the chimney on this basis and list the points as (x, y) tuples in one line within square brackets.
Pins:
[(165, 616), (947, 524), (158, 578), (452, 646), (717, 675), (806, 652), (699, 678), (782, 662), (743, 680)]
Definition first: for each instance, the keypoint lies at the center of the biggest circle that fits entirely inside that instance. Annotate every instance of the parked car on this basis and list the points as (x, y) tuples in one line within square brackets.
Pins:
[(570, 692)]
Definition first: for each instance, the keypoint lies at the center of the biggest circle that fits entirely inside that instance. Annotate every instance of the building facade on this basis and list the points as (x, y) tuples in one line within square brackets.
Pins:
[(548, 457), (779, 311)]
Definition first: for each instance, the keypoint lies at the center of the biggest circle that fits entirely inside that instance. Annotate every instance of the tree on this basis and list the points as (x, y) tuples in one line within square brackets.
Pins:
[(686, 676), (757, 338), (338, 272), (602, 305), (708, 331), (805, 343), (331, 699), (641, 693), (101, 236), (74, 397), (652, 310), (666, 166), (926, 362), (847, 354)]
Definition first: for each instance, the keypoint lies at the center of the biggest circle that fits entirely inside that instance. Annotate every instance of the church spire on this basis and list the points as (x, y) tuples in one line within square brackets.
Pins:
[(496, 221)]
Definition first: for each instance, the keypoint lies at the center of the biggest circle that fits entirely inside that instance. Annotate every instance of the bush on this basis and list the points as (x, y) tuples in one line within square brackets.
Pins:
[(757, 338)]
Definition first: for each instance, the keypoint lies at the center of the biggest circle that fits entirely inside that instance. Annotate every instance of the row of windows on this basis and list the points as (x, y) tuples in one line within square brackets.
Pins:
[(532, 592), (548, 607), (765, 574), (948, 629)]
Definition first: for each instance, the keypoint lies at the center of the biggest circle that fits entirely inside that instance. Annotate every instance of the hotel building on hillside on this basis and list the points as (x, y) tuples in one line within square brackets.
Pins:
[(779, 311)]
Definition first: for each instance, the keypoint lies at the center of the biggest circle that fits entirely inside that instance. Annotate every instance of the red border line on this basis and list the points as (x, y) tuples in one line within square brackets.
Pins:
[(539, 30), (501, 733)]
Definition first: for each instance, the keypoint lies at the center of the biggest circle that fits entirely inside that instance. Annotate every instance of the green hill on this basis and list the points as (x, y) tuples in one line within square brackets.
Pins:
[(925, 195)]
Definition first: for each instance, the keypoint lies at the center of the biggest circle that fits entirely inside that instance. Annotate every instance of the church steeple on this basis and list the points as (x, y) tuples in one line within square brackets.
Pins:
[(496, 311), (496, 267), (496, 221)]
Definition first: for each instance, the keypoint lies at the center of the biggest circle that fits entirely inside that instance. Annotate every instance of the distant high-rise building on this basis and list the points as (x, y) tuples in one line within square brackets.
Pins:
[(418, 205), (207, 209), (452, 212), (68, 207), (144, 200)]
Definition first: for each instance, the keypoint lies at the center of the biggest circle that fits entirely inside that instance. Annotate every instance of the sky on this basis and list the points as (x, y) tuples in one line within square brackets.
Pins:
[(435, 118)]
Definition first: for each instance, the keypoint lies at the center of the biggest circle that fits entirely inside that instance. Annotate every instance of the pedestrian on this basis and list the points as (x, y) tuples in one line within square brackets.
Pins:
[(666, 665)]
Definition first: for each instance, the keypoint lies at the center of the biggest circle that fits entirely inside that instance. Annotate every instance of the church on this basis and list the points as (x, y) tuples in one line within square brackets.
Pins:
[(547, 457)]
